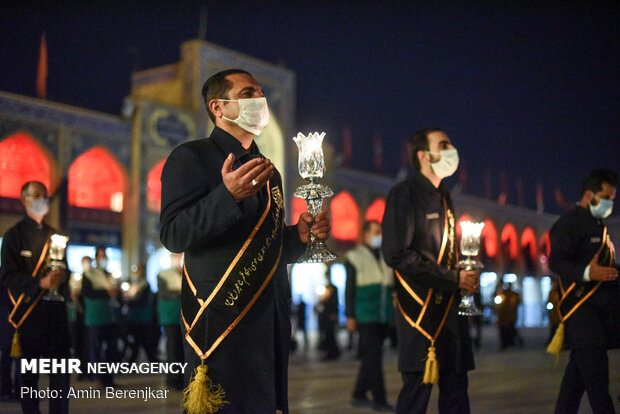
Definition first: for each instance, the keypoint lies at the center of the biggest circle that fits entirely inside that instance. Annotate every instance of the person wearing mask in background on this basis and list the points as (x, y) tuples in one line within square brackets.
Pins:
[(222, 205), (139, 299), (419, 244), (369, 308), (169, 283), (101, 315), (582, 254), (38, 295)]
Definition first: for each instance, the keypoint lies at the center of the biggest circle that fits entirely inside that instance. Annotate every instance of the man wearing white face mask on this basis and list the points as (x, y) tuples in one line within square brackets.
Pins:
[(369, 311), (222, 206), (582, 254), (419, 244), (40, 320)]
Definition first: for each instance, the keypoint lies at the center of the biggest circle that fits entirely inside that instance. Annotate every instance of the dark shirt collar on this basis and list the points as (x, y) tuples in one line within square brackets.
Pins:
[(425, 183), (227, 144), (31, 223)]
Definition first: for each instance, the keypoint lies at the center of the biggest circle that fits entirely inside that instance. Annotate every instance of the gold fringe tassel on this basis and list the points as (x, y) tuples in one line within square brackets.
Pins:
[(431, 370), (16, 349), (201, 396), (555, 346)]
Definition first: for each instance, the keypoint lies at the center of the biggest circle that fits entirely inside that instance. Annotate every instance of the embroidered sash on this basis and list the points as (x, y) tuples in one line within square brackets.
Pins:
[(406, 307), (23, 305), (564, 293), (244, 280)]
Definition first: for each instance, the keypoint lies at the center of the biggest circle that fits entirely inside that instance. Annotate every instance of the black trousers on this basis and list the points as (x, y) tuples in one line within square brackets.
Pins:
[(102, 347), (47, 336), (8, 374), (174, 353), (370, 376), (414, 396), (587, 370)]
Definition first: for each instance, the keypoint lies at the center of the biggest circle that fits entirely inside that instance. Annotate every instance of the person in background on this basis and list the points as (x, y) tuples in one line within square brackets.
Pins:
[(419, 244), (328, 320), (169, 314), (101, 315), (369, 309), (39, 296), (552, 303), (139, 299), (75, 307), (582, 254), (506, 306)]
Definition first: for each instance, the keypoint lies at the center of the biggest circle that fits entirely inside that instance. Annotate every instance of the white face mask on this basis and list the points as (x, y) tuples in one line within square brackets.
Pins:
[(102, 263), (602, 209), (448, 163), (253, 114), (40, 207), (375, 242)]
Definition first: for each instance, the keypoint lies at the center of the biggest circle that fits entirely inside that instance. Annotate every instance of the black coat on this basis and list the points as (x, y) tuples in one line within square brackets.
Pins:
[(22, 246), (575, 239), (200, 218), (413, 228)]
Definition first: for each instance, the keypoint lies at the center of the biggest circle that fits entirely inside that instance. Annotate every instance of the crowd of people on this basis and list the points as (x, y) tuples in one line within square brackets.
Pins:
[(222, 208)]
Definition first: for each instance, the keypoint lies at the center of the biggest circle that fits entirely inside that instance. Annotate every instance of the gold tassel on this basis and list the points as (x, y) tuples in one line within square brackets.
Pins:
[(16, 349), (431, 371), (555, 346), (201, 396)]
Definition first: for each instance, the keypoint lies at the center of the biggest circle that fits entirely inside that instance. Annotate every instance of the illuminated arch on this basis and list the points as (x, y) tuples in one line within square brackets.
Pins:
[(489, 235), (298, 206), (97, 180), (458, 229), (345, 217), (509, 238), (375, 210), (528, 241), (544, 244), (153, 187), (23, 159)]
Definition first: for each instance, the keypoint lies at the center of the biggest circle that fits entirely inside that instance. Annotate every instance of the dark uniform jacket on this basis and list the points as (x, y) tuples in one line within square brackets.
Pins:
[(200, 218), (575, 239), (413, 230), (22, 246)]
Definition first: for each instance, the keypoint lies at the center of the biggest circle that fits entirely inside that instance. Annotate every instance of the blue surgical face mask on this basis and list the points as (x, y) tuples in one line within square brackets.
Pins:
[(602, 209), (375, 242), (40, 207)]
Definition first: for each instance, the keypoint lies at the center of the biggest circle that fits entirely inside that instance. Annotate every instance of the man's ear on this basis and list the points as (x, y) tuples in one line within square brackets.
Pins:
[(423, 156), (215, 106), (588, 196)]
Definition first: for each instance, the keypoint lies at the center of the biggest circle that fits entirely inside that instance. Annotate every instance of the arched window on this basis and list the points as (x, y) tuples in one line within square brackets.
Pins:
[(376, 209), (153, 187), (510, 242), (544, 244), (530, 248), (345, 217), (489, 236), (22, 159), (97, 180)]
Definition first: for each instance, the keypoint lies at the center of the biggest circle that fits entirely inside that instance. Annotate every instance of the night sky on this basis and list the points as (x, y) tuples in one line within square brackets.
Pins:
[(529, 90)]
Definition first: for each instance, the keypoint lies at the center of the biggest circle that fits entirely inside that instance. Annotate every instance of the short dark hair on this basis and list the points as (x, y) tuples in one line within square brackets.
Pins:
[(28, 184), (419, 142), (367, 224), (217, 86), (99, 248), (594, 181)]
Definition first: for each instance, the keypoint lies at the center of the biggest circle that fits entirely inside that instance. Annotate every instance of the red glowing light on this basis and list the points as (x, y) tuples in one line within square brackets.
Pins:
[(153, 187), (23, 159), (97, 180), (376, 209), (509, 237), (345, 217), (528, 239), (489, 234)]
